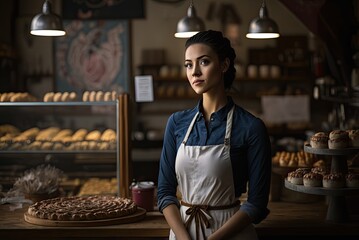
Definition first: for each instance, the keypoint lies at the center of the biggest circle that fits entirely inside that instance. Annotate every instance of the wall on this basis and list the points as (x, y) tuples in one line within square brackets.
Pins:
[(156, 30)]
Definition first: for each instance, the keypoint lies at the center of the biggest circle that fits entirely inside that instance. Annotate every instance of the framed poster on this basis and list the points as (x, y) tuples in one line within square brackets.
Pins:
[(93, 55), (103, 9)]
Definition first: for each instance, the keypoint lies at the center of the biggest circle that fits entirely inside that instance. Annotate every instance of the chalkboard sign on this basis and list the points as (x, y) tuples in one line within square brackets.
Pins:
[(103, 9)]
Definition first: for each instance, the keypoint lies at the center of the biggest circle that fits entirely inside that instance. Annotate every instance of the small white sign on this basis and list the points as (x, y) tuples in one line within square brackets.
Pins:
[(286, 109), (144, 88)]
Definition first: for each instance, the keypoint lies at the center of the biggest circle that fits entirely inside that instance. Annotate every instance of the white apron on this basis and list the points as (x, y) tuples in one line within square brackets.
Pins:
[(204, 175)]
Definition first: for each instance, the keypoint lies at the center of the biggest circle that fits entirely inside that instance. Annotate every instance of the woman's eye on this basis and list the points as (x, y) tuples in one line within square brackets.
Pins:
[(188, 65), (204, 62)]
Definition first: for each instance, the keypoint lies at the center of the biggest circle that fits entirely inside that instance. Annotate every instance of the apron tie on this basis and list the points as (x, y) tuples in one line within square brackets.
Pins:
[(200, 212)]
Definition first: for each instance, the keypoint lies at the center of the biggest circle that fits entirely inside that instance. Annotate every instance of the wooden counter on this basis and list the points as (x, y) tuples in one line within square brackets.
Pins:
[(294, 220)]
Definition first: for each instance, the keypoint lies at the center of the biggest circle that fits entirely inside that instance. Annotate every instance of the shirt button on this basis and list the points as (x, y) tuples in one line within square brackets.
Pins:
[(212, 119)]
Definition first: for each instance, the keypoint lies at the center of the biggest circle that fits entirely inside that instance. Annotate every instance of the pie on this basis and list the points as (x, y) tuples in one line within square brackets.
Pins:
[(84, 208)]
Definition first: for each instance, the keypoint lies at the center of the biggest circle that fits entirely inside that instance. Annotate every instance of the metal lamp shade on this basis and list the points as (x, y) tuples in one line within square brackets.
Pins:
[(263, 27), (47, 23), (189, 25)]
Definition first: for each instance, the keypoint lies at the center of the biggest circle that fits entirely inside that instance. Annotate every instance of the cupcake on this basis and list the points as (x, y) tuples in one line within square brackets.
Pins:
[(333, 180)]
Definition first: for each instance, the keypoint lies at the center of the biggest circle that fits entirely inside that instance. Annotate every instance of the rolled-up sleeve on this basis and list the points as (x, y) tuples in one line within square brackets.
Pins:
[(259, 168), (167, 182)]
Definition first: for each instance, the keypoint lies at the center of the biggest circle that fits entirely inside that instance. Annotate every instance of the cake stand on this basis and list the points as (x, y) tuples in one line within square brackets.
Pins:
[(337, 209)]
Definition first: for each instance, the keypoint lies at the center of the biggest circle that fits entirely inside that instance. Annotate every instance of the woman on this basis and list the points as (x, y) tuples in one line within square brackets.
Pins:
[(213, 152)]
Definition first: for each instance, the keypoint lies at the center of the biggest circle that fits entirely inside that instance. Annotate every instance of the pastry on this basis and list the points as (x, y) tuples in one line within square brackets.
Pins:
[(312, 179), (92, 96), (62, 134), (65, 97), (93, 135), (72, 96), (114, 95), (47, 134), (107, 96), (296, 177), (352, 180), (57, 97), (108, 135), (320, 170), (99, 96), (319, 140), (49, 97), (85, 96), (85, 208), (79, 135), (333, 180), (338, 139), (354, 137)]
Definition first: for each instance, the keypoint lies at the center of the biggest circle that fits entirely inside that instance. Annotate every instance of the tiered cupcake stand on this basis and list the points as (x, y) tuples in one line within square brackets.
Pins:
[(337, 209)]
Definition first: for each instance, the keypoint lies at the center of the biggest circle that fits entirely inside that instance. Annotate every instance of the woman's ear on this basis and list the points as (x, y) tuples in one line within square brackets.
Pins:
[(225, 65)]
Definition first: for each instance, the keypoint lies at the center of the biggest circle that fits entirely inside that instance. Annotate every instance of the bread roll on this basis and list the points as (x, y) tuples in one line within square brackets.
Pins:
[(27, 134), (79, 135), (107, 96), (92, 96), (62, 134), (72, 96), (99, 96), (8, 128), (65, 97), (93, 135), (114, 95), (86, 96), (57, 97), (47, 134), (49, 97), (108, 135)]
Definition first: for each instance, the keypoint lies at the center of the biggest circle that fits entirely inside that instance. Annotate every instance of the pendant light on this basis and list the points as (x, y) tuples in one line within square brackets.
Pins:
[(263, 27), (47, 23), (189, 25)]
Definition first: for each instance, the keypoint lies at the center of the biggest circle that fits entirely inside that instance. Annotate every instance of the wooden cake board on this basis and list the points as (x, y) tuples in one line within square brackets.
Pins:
[(137, 216)]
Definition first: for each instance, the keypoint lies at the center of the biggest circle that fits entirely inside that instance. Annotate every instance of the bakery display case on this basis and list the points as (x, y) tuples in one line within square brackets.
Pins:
[(337, 209), (87, 140)]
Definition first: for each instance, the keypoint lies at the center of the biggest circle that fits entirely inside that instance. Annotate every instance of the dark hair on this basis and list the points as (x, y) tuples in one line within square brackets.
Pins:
[(222, 46)]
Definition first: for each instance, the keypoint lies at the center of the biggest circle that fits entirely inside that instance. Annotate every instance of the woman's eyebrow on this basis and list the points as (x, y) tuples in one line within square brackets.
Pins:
[(200, 57)]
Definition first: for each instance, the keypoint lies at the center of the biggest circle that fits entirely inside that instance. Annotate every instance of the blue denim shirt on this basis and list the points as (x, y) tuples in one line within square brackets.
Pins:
[(250, 154)]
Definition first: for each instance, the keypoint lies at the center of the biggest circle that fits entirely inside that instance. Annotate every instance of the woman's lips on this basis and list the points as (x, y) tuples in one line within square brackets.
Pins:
[(197, 82)]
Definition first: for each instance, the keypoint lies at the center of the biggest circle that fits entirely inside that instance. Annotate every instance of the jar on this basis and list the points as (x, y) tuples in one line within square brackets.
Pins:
[(143, 194)]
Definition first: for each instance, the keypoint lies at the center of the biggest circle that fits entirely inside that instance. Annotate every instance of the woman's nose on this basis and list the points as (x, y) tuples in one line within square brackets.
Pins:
[(196, 70)]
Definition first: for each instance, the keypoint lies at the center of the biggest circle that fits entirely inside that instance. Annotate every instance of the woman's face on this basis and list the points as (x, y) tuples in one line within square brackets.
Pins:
[(204, 71)]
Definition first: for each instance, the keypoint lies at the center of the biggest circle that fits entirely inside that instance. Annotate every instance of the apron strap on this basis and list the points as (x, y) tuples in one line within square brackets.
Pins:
[(190, 128), (199, 214), (227, 137)]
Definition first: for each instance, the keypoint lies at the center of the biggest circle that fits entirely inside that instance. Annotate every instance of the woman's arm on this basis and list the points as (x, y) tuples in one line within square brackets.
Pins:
[(174, 220), (239, 221)]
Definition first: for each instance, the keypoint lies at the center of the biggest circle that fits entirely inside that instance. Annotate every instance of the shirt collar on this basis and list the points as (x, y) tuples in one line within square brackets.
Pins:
[(221, 113)]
